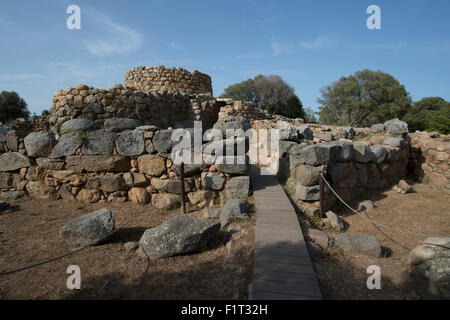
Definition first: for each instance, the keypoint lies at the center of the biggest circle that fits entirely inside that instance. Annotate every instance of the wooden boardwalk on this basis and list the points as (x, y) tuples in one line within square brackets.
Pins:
[(282, 268)]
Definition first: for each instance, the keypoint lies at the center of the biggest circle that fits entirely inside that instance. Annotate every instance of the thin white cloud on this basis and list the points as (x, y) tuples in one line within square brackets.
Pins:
[(280, 48), (23, 76), (119, 39), (175, 45), (318, 43)]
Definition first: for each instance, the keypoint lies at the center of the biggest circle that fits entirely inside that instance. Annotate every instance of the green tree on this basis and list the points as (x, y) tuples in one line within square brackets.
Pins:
[(310, 116), (270, 93), (12, 106), (429, 114), (45, 112), (362, 99)]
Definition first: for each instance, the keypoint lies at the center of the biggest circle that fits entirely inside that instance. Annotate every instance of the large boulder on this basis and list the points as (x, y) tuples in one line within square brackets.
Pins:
[(89, 229), (50, 164), (234, 209), (130, 143), (396, 127), (98, 142), (228, 164), (307, 175), (212, 180), (305, 132), (343, 149), (98, 163), (166, 201), (379, 153), (107, 183), (152, 165), (67, 145), (162, 141), (378, 127), (307, 193), (362, 152), (317, 154), (237, 188), (78, 125), (286, 131), (120, 124), (13, 161), (39, 144), (232, 123), (432, 279), (139, 196), (431, 248), (358, 244), (177, 236)]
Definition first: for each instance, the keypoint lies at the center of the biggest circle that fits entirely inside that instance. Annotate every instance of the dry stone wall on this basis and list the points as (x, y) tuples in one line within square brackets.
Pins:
[(430, 158), (350, 159), (118, 162), (153, 108), (168, 79)]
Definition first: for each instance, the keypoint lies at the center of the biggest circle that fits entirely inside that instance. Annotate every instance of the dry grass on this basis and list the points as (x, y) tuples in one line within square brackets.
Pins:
[(109, 271), (424, 211)]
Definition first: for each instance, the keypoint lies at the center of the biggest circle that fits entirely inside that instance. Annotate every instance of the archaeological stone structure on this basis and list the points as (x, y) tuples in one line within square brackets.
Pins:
[(114, 145), (168, 79)]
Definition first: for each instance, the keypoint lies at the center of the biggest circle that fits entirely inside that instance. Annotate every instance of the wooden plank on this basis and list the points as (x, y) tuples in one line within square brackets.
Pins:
[(282, 267)]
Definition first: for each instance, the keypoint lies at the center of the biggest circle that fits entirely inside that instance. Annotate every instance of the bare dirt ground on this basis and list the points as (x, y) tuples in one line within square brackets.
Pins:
[(109, 271), (426, 210)]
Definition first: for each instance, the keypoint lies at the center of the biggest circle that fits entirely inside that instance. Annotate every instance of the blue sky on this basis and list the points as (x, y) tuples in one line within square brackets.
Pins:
[(309, 43)]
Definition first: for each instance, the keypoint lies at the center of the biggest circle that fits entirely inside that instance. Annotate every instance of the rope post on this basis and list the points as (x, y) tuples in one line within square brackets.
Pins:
[(321, 195), (183, 198)]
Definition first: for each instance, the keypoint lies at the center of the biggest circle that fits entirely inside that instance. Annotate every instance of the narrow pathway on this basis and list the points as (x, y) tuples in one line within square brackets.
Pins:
[(282, 268)]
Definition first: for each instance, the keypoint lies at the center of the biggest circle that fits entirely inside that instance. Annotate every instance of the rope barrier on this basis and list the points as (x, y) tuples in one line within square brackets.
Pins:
[(69, 253), (376, 223)]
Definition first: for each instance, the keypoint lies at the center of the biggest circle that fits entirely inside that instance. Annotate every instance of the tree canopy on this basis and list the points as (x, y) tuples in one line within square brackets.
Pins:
[(429, 114), (362, 99), (270, 93), (12, 106)]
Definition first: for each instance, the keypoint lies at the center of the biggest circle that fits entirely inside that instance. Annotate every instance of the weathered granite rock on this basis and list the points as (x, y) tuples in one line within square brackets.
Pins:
[(39, 144), (317, 154), (358, 244), (78, 125), (12, 161), (237, 188), (212, 180), (362, 152), (130, 143), (39, 190), (307, 193), (120, 124), (319, 237), (98, 142), (88, 229), (177, 236), (166, 201), (335, 221), (286, 131), (305, 132), (396, 127), (378, 127), (307, 175), (50, 164), (98, 163), (152, 165), (89, 196), (379, 153), (12, 195), (234, 209), (67, 145), (232, 123), (230, 165), (162, 141), (107, 183), (430, 248), (139, 195)]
